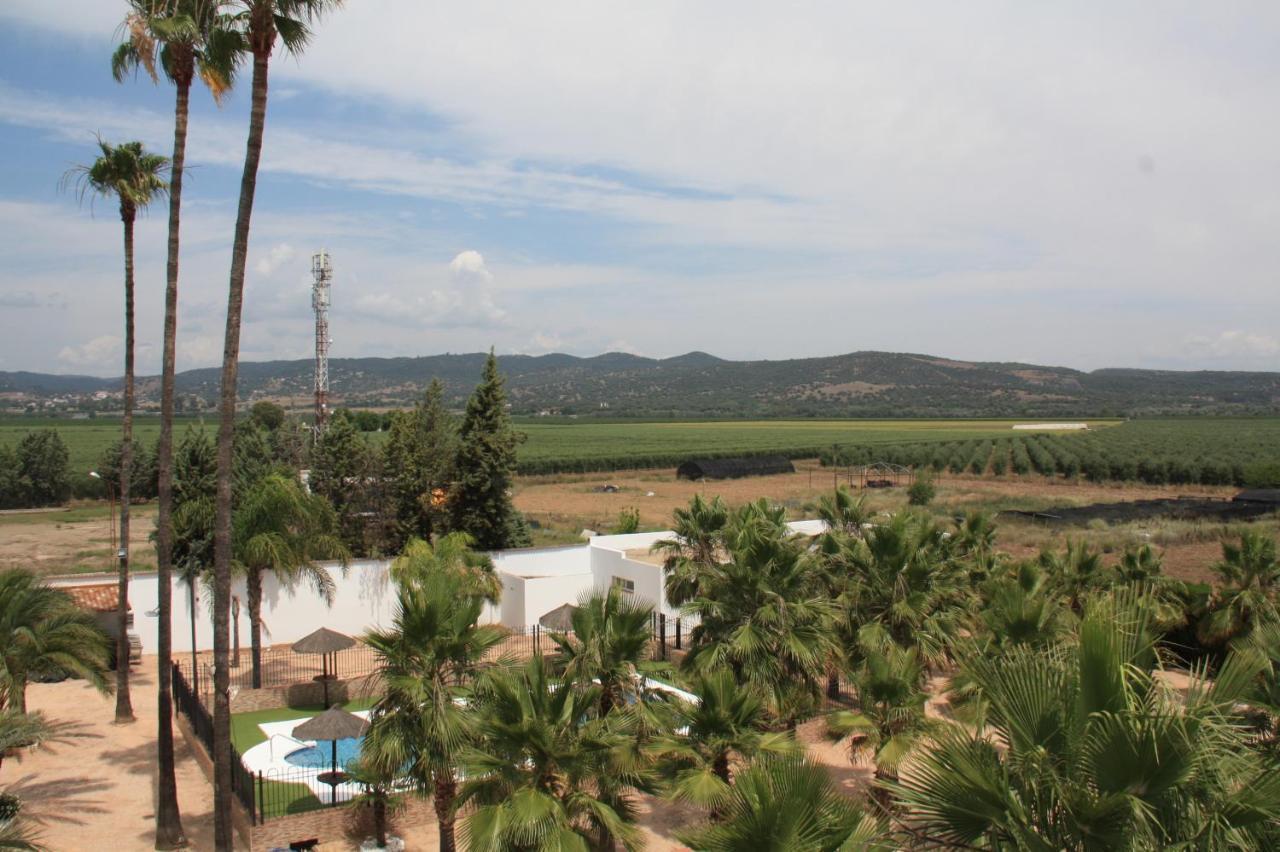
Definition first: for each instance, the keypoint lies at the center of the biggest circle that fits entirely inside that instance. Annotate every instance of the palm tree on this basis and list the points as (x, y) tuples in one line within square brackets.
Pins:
[(187, 37), (542, 773), (610, 636), (1076, 572), (726, 720), (279, 528), (907, 588), (764, 613), (262, 23), (890, 721), (787, 804), (1249, 576), (426, 660), (451, 555), (22, 730), (698, 545), (42, 630), (1020, 609), (843, 512), (135, 178), (379, 784), (1081, 747)]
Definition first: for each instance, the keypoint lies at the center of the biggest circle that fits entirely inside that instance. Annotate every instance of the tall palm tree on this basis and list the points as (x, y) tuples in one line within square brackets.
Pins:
[(1076, 572), (281, 529), (697, 546), (727, 720), (542, 773), (134, 178), (787, 804), (1081, 747), (181, 39), (426, 660), (42, 630), (263, 23), (610, 636)]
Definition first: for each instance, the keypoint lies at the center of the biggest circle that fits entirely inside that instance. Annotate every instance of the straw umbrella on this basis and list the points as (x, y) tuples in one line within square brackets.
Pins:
[(333, 724), (327, 643)]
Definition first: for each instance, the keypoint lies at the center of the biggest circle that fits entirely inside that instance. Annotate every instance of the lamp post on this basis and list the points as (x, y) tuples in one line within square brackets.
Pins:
[(111, 498)]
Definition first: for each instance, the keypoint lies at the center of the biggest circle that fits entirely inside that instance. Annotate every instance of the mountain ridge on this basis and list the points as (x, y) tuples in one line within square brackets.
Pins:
[(866, 384)]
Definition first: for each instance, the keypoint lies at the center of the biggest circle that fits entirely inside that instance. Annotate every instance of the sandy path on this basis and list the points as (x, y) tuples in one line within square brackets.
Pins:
[(96, 790)]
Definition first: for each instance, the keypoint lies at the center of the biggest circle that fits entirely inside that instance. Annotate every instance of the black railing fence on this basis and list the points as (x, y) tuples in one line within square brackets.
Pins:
[(189, 704)]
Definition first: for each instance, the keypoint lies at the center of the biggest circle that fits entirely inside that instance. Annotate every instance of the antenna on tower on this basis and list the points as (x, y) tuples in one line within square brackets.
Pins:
[(322, 272)]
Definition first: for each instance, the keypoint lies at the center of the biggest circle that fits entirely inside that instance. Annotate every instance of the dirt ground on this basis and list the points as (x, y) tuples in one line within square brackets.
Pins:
[(96, 789), (58, 542)]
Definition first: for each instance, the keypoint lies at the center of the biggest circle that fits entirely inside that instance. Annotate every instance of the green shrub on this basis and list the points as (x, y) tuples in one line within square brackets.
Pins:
[(922, 491), (628, 521)]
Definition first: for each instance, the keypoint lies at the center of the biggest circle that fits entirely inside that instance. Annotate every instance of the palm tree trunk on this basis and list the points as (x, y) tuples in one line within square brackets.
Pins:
[(445, 793), (226, 427), (169, 833), (253, 591), (380, 822), (721, 767), (18, 694), (124, 706)]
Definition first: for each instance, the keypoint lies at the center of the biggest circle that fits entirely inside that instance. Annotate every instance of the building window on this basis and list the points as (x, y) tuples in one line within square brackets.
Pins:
[(623, 584)]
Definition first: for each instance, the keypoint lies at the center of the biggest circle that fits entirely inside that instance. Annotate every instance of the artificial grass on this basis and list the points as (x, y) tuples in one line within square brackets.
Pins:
[(245, 732)]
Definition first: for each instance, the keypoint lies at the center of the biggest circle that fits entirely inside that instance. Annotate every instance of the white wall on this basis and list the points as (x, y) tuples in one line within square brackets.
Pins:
[(544, 562), (607, 564), (543, 594)]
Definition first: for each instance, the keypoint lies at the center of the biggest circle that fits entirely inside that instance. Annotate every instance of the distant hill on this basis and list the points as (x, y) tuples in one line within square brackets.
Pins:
[(860, 384)]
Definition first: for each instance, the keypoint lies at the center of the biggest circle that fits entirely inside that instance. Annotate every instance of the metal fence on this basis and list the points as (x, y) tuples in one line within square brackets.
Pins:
[(190, 705)]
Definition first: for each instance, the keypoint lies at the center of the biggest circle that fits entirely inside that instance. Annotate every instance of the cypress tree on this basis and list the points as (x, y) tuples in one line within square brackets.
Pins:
[(418, 459), (481, 500)]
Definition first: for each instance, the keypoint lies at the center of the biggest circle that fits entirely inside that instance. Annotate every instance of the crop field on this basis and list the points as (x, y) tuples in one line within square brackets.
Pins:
[(1200, 450), (1204, 451)]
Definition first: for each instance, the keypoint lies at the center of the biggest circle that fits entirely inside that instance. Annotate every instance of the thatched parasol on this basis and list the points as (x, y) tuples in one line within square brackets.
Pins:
[(333, 724), (327, 643), (559, 619)]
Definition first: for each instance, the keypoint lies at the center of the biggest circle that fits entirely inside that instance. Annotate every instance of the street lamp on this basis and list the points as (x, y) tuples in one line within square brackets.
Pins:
[(111, 497)]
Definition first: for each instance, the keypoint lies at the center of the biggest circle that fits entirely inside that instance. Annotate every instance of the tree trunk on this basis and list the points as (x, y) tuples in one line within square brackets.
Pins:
[(169, 833), (222, 836), (833, 684), (18, 694), (253, 592), (380, 822), (124, 705), (721, 768), (445, 793)]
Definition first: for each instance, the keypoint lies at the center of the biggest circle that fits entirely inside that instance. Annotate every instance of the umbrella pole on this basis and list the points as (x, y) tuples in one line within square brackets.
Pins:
[(324, 678), (335, 772)]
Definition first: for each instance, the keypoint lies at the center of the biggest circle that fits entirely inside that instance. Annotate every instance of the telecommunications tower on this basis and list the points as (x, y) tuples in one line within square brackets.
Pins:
[(322, 272)]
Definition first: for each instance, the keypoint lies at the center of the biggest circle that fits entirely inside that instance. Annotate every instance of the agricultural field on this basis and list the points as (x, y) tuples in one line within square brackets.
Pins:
[(1233, 451)]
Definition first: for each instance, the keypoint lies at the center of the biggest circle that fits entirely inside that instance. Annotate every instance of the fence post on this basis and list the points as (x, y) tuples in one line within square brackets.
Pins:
[(677, 633), (537, 643), (662, 633), (262, 800)]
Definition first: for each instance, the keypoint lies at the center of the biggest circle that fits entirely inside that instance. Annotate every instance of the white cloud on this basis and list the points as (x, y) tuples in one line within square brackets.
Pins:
[(1235, 345), (104, 353), (277, 256), (469, 266)]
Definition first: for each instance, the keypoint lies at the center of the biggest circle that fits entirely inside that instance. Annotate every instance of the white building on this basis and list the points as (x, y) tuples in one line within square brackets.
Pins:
[(534, 582)]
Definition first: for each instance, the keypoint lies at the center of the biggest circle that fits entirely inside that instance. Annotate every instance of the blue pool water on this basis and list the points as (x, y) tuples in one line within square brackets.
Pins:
[(320, 756)]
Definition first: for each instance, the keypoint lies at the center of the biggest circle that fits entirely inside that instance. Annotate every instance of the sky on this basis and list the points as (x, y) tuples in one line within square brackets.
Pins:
[(1089, 184)]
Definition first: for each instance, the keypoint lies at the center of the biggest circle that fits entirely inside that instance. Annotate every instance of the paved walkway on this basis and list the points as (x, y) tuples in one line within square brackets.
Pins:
[(96, 789)]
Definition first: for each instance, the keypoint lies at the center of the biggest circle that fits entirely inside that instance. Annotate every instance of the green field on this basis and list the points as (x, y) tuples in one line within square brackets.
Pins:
[(587, 445), (1208, 450)]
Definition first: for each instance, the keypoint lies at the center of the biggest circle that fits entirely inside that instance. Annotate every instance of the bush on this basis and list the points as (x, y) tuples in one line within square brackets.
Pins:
[(922, 491), (628, 521)]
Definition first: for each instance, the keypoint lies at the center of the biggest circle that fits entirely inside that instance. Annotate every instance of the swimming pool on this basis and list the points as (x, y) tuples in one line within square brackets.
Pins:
[(320, 755)]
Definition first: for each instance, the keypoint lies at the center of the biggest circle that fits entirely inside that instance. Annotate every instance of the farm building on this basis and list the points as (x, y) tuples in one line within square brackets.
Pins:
[(734, 468), (1266, 496)]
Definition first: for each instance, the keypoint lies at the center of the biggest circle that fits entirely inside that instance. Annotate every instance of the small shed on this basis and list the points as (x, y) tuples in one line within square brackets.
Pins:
[(734, 468), (1264, 496), (101, 600)]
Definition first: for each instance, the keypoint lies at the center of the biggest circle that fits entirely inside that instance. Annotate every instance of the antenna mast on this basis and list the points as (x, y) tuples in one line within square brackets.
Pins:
[(322, 272)]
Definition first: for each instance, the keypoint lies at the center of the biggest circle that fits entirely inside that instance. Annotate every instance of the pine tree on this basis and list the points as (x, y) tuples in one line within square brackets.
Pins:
[(340, 471), (481, 500), (418, 467)]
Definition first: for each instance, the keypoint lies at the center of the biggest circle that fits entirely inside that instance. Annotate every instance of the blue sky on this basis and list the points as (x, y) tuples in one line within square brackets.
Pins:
[(1089, 186)]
